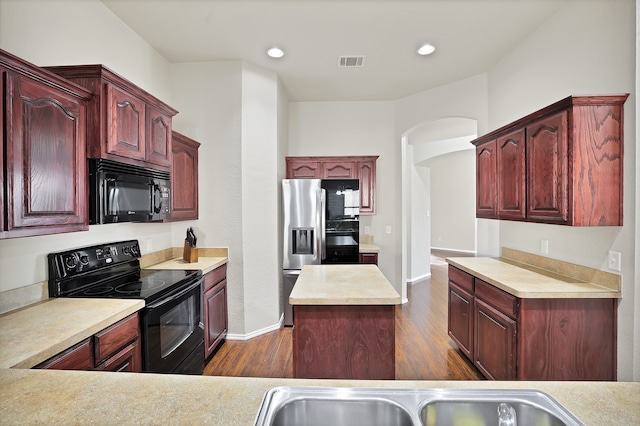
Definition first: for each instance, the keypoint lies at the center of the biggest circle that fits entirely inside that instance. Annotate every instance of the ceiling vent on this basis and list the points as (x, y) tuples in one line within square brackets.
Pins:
[(350, 61)]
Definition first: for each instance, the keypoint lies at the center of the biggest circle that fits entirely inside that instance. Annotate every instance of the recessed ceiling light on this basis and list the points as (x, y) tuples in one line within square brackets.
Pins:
[(275, 52), (426, 49)]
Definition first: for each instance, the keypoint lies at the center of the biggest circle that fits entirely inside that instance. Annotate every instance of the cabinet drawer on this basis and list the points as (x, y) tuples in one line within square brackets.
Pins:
[(499, 299), (214, 277), (461, 278), (78, 357), (112, 339)]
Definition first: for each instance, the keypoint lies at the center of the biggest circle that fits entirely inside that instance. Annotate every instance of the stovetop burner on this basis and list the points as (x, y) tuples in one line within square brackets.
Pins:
[(111, 271)]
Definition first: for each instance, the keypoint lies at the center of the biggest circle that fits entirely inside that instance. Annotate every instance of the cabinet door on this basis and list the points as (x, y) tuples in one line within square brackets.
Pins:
[(125, 124), (486, 185), (184, 178), (511, 175), (46, 170), (339, 170), (303, 169), (547, 162), (367, 176), (158, 134), (215, 316), (460, 321), (495, 343)]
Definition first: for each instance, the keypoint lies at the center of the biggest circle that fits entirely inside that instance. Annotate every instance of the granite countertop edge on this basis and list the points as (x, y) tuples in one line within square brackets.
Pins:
[(42, 396), (587, 290)]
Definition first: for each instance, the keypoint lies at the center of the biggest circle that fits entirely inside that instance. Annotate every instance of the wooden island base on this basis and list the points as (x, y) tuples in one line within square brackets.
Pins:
[(344, 342)]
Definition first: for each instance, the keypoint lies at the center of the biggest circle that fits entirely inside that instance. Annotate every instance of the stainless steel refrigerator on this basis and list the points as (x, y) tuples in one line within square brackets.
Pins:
[(320, 225)]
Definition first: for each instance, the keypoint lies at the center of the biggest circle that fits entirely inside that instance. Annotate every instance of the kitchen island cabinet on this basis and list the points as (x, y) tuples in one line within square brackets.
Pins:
[(344, 323), (36, 397), (516, 322), (43, 187)]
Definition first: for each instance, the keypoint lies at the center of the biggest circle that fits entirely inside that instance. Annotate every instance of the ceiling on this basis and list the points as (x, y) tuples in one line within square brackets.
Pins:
[(469, 35)]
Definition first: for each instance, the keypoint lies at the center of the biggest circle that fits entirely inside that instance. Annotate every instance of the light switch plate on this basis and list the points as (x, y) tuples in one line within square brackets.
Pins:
[(615, 259), (388, 229)]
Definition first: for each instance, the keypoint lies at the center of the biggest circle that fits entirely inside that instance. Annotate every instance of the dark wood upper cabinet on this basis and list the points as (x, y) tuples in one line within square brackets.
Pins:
[(562, 165), (340, 167), (486, 188), (159, 137), (184, 178), (511, 175), (303, 168), (44, 180), (126, 123)]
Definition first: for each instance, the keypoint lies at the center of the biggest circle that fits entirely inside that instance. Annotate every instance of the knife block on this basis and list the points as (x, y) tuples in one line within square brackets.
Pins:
[(189, 254)]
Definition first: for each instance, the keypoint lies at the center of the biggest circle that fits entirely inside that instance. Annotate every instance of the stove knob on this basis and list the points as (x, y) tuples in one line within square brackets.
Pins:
[(84, 259), (70, 261)]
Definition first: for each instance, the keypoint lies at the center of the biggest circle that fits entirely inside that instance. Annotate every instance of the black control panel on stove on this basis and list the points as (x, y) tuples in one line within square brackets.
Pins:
[(79, 261)]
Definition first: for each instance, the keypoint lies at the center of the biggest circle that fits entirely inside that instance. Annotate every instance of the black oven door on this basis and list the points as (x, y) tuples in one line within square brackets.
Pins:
[(173, 336)]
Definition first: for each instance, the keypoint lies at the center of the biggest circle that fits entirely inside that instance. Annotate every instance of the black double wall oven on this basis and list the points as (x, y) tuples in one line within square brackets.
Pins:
[(171, 322)]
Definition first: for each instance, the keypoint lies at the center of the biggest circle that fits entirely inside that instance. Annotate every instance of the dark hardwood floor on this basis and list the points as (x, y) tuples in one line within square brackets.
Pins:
[(423, 348)]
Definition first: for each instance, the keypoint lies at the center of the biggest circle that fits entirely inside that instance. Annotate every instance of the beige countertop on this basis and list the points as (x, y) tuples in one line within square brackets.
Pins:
[(527, 281), (33, 334), (204, 263), (87, 397), (369, 248), (359, 284)]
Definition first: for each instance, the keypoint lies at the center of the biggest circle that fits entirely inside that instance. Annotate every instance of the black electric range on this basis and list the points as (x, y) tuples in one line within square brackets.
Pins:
[(171, 321)]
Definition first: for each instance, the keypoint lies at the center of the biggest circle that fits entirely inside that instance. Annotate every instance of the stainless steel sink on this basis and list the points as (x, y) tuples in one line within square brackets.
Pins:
[(417, 407)]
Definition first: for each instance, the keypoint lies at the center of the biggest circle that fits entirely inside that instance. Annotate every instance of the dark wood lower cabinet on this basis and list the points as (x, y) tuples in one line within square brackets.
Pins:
[(369, 258), (460, 319), (511, 338), (344, 342), (116, 348), (495, 339), (215, 309)]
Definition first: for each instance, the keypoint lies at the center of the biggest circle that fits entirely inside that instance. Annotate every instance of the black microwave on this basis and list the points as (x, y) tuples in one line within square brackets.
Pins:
[(121, 192)]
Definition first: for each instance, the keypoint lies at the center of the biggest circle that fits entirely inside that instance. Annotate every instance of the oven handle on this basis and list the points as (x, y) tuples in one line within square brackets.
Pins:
[(175, 296)]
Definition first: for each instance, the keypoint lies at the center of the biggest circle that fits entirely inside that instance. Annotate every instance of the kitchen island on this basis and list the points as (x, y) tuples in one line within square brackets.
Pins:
[(344, 323), (86, 397)]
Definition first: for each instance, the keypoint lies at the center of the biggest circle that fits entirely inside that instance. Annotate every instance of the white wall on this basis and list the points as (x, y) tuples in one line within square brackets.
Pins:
[(419, 227), (209, 96), (586, 48), (453, 202), (464, 99), (260, 220), (71, 32)]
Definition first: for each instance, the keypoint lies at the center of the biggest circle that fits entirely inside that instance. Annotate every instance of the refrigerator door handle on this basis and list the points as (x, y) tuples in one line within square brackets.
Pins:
[(323, 238)]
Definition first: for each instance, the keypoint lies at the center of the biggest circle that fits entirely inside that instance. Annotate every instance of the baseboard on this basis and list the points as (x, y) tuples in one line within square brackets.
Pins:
[(419, 278), (450, 250), (257, 332)]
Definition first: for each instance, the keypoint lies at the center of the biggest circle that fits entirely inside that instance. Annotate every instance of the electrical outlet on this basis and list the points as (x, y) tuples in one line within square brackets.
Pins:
[(149, 245), (367, 230), (388, 229), (544, 246), (614, 261)]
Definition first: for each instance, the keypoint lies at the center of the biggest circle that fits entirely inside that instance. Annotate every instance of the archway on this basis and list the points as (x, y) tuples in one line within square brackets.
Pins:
[(441, 146)]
